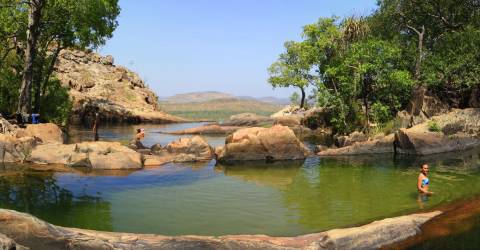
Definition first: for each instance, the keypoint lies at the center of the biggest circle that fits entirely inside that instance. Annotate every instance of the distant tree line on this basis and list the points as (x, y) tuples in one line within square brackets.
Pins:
[(32, 34), (364, 68)]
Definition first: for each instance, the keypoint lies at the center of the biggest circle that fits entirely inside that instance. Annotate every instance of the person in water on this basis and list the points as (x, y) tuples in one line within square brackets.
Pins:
[(137, 144), (96, 123), (423, 181)]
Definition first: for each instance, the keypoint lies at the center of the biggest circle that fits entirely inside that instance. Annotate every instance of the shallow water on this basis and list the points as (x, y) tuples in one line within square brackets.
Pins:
[(279, 199)]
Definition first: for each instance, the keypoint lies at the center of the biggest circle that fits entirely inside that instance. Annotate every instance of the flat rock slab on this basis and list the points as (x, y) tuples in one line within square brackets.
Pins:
[(32, 232)]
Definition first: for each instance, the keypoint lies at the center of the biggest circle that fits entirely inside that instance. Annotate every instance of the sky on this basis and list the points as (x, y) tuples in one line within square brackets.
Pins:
[(180, 46)]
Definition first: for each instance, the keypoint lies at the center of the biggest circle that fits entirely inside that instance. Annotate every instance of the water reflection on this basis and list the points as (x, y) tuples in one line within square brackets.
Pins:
[(39, 194)]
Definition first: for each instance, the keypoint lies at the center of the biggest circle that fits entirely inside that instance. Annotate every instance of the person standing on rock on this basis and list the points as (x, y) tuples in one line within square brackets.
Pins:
[(96, 122), (423, 181)]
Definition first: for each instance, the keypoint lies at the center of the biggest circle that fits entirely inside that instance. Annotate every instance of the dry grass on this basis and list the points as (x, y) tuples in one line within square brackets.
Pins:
[(220, 109)]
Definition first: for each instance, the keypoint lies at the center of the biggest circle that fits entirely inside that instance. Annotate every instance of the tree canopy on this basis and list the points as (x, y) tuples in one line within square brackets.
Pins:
[(364, 68)]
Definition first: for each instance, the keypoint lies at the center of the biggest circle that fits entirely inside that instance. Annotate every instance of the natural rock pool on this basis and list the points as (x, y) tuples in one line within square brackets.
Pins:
[(280, 199)]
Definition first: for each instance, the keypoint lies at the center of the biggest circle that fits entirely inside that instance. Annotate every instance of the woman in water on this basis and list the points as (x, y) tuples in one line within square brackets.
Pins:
[(423, 181)]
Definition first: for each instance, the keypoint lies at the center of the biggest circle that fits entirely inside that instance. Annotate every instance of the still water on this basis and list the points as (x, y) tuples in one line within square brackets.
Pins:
[(280, 199)]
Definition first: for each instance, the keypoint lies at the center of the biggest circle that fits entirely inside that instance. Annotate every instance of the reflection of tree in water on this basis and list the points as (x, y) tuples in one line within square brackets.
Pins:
[(39, 194)]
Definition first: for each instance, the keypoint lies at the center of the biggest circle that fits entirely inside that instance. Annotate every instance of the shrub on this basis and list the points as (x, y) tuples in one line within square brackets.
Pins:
[(433, 126)]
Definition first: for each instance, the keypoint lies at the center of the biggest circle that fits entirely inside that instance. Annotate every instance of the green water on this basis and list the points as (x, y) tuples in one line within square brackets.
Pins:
[(279, 199)]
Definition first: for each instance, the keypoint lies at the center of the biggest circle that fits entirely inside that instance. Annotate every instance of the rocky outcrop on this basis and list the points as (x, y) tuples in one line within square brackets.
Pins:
[(14, 149), (95, 155), (95, 82), (422, 107), (210, 129), (32, 232), (381, 145), (457, 131), (192, 149), (45, 132), (275, 143), (248, 120), (344, 140)]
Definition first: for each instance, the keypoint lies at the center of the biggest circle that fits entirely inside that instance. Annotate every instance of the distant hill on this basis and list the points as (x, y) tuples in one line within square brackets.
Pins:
[(215, 95), (218, 106)]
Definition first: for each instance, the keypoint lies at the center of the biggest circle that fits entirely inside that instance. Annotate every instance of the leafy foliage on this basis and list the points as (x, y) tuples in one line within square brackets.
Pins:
[(365, 68)]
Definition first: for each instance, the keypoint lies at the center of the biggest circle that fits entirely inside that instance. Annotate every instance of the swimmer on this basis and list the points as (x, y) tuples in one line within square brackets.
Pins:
[(423, 181)]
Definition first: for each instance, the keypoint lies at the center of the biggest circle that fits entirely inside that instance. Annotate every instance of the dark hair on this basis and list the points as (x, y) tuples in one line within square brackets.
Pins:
[(139, 130)]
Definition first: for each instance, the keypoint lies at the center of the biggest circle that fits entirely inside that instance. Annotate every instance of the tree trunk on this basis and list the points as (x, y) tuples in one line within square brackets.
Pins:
[(302, 102), (34, 14), (42, 84), (420, 53)]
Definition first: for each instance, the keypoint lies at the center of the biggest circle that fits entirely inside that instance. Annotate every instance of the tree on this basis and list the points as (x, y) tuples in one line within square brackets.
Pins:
[(54, 25), (34, 14), (292, 69), (295, 98)]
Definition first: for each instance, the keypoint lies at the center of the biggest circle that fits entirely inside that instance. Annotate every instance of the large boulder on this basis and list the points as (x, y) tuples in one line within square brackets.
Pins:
[(46, 132), (190, 149), (96, 155), (275, 143), (9, 244), (455, 131)]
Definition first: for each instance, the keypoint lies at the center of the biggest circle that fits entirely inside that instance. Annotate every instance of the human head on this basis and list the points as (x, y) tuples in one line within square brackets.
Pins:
[(139, 130), (424, 168)]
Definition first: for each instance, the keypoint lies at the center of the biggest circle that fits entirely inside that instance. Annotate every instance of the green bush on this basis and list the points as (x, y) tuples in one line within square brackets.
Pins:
[(433, 126), (55, 105), (380, 113)]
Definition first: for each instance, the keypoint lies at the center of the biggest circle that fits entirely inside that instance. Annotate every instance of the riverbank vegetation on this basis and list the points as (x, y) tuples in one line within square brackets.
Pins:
[(365, 68), (32, 34)]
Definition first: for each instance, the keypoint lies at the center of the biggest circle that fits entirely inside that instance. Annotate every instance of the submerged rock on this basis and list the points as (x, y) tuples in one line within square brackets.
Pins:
[(275, 143), (32, 232)]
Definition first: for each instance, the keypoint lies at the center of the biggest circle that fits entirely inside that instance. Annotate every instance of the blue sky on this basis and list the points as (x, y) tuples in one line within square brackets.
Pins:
[(180, 46)]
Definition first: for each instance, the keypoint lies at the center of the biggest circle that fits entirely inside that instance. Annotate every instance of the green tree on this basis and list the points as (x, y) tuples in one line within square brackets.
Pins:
[(293, 69), (33, 34)]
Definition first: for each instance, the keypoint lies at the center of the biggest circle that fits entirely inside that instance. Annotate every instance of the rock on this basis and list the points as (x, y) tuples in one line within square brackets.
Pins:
[(287, 111), (155, 160), (156, 147), (95, 155), (32, 232), (212, 129), (6, 127), (377, 146), (107, 60), (46, 132), (289, 121), (275, 143), (424, 106), (13, 149), (248, 120), (9, 244), (120, 94), (344, 141), (316, 118), (190, 149), (461, 131)]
